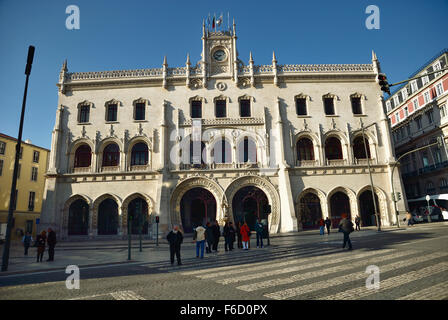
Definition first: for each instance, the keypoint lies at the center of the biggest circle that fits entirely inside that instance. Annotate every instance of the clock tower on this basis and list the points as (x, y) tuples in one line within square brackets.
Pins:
[(219, 55)]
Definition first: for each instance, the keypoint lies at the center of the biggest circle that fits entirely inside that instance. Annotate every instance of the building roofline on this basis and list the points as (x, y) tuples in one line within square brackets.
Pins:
[(2, 135)]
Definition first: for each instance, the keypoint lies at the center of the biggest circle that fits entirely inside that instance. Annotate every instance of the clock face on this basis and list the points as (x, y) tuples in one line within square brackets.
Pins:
[(219, 55)]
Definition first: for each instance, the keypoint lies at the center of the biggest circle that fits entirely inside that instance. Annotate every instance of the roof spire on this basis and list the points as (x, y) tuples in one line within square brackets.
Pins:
[(273, 56), (250, 57), (64, 66), (164, 61), (374, 56), (188, 58)]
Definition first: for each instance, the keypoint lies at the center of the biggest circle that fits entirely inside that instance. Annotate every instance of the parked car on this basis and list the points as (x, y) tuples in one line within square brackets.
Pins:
[(435, 212)]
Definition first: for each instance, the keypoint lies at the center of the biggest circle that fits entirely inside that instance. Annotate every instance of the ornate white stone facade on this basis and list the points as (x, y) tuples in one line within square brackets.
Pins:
[(168, 94)]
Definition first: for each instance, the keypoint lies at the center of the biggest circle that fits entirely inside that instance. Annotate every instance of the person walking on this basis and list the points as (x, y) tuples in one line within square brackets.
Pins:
[(27, 239), (321, 226), (238, 235), (199, 237), (229, 236), (209, 235), (245, 235), (175, 239), (346, 227), (51, 241), (358, 223), (259, 232), (328, 224), (216, 235), (40, 243), (410, 219)]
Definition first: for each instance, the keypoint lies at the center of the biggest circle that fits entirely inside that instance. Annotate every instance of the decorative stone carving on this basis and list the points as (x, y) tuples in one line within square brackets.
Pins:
[(221, 86)]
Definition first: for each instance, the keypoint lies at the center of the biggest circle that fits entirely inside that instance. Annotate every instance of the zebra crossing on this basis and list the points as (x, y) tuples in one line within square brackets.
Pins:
[(323, 271)]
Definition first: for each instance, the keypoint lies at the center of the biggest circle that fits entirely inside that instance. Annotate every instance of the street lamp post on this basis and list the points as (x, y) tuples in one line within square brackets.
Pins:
[(12, 197), (429, 212)]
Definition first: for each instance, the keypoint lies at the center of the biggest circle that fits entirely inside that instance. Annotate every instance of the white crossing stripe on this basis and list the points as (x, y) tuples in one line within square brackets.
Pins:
[(390, 283), (239, 266), (319, 273), (312, 274), (126, 295), (297, 291), (437, 292)]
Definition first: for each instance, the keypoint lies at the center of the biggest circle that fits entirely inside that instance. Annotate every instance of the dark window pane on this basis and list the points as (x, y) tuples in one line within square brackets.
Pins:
[(301, 107), (111, 155), (220, 108), (139, 111), (356, 106), (333, 148), (196, 109), (139, 155), (431, 76), (329, 106), (112, 112), (305, 149), (83, 156), (245, 108), (84, 114), (359, 149)]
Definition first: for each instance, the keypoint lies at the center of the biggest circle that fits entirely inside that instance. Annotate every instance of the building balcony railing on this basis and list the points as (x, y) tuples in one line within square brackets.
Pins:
[(81, 169), (307, 163), (110, 169), (192, 166), (248, 165), (363, 162), (443, 189), (228, 165), (433, 167), (140, 167), (336, 162)]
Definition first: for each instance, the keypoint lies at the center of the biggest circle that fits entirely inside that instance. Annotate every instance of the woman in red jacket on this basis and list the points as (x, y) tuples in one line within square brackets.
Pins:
[(245, 233)]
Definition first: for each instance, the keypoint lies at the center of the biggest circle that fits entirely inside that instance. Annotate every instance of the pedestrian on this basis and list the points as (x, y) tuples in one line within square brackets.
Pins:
[(199, 237), (27, 239), (346, 227), (259, 232), (40, 243), (175, 238), (245, 235), (410, 219), (209, 236), (328, 224), (238, 235), (229, 236), (358, 223), (321, 226), (51, 241), (216, 235)]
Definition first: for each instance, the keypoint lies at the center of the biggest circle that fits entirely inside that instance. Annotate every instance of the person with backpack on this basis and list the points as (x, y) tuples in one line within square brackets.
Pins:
[(27, 239), (346, 227), (245, 235), (199, 237), (175, 239), (259, 231)]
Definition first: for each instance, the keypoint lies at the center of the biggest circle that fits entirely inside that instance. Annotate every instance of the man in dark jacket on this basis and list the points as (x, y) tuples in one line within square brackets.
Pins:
[(175, 238), (229, 236), (346, 227), (216, 235), (209, 237), (328, 224), (51, 241)]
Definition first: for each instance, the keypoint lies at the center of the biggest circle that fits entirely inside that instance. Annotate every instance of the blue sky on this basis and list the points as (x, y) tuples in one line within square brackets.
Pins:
[(137, 34)]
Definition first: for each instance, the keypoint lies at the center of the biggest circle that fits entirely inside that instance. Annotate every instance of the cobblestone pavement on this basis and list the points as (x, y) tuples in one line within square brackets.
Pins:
[(412, 263)]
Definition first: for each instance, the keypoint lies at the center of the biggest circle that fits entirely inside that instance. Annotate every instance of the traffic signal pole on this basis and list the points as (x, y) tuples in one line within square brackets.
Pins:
[(12, 198)]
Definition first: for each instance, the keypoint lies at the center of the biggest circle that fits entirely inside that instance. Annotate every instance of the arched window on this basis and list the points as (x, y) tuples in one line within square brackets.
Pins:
[(200, 157), (83, 156), (111, 155), (222, 152), (139, 154), (359, 151), (305, 149), (333, 148), (430, 187), (247, 151)]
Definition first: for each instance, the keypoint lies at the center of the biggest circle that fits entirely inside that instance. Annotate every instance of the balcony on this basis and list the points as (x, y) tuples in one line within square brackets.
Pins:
[(433, 167), (191, 166), (443, 189), (110, 169), (139, 168), (336, 162), (81, 170), (363, 162), (306, 163), (223, 165)]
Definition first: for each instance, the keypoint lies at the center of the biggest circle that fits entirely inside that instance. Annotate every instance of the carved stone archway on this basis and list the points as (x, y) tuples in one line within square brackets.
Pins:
[(96, 205), (195, 182), (352, 198), (322, 199), (65, 212), (382, 200), (125, 205), (267, 187)]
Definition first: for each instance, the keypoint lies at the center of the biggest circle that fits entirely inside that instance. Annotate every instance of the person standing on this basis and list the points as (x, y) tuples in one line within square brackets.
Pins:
[(328, 224), (51, 241), (259, 232), (321, 226), (216, 235), (175, 238), (245, 236), (346, 227), (238, 235), (40, 242), (199, 237), (358, 223), (231, 235), (209, 237), (227, 234), (409, 218), (27, 239)]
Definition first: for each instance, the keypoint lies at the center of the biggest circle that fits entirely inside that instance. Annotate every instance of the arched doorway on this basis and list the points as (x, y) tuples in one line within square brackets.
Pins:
[(108, 217), (339, 204), (367, 209), (78, 218), (197, 207), (249, 204), (138, 216), (310, 211)]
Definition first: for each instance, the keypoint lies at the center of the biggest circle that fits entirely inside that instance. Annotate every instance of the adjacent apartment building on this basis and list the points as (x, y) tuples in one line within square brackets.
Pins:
[(418, 113), (30, 184)]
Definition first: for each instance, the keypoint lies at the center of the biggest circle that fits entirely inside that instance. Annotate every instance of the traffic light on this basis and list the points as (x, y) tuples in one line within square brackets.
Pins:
[(157, 219), (382, 81), (398, 196)]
